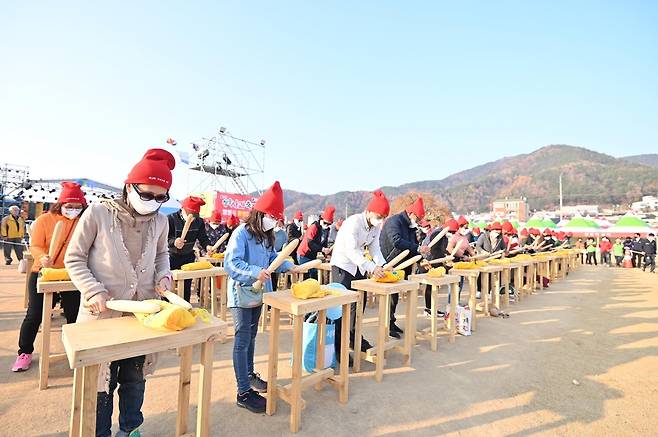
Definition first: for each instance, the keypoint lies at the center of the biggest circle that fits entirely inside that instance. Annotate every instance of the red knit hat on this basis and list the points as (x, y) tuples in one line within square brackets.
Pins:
[(417, 208), (299, 215), (233, 220), (154, 169), (193, 204), (271, 202), (379, 204), (461, 221), (534, 231), (524, 232), (71, 193), (215, 217), (496, 226), (507, 227), (452, 225), (476, 230), (547, 232), (328, 214)]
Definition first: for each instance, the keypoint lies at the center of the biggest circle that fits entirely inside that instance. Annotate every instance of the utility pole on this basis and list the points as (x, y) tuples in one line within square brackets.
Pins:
[(560, 196)]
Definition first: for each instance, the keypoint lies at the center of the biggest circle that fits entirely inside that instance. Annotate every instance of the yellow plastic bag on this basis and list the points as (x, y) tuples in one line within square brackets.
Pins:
[(199, 265), (172, 317), (309, 289), (48, 274), (217, 255), (437, 272), (392, 276)]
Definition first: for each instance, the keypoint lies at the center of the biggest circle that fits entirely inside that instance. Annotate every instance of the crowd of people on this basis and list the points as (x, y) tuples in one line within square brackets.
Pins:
[(629, 252), (125, 249)]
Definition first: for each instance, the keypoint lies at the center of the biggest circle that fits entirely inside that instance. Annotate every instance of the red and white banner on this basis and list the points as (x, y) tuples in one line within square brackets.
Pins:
[(231, 203)]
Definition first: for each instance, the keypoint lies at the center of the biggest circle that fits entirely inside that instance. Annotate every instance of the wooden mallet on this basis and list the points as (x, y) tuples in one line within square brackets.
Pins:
[(219, 242), (303, 268), (442, 260), (389, 265), (438, 237), (186, 227), (283, 255), (54, 241), (411, 261)]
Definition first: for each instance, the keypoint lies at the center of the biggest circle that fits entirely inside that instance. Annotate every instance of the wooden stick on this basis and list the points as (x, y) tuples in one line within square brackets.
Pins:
[(456, 249), (285, 253), (220, 241), (411, 261), (440, 235), (495, 255), (486, 255), (442, 260), (54, 241), (303, 268), (186, 226), (389, 265)]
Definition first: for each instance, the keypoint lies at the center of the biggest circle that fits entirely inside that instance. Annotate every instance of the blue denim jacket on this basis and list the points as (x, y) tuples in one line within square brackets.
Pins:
[(244, 259)]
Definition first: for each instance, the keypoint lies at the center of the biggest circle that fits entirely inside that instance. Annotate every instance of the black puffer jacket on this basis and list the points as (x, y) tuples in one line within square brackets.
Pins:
[(197, 232), (397, 235)]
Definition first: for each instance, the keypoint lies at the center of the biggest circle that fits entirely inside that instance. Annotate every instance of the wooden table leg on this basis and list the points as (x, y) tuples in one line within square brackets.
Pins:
[(180, 288), (506, 278), (433, 321), (454, 297), (357, 331), (213, 298), (223, 298), (484, 293), (472, 301), (344, 355), (184, 380), (296, 383), (74, 425), (263, 318), (382, 335), (89, 397), (495, 293), (410, 333), (273, 364), (320, 343), (518, 281), (44, 355), (205, 389)]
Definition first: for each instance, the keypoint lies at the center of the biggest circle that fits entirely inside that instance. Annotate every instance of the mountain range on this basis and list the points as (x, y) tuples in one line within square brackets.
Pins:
[(588, 177)]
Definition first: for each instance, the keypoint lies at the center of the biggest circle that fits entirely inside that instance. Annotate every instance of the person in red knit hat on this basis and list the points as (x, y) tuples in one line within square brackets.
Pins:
[(215, 229), (295, 230), (348, 261), (119, 250), (315, 240), (399, 234), (248, 254), (181, 251), (67, 210)]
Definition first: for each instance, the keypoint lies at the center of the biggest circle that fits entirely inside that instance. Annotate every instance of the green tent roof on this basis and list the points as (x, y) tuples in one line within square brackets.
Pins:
[(580, 222), (630, 221), (535, 223), (547, 223)]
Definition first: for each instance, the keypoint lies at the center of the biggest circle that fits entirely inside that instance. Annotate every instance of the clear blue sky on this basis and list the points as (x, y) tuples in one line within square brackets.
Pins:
[(350, 95)]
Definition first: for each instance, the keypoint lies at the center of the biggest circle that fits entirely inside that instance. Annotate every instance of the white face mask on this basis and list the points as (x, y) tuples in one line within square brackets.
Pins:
[(214, 225), (424, 230), (268, 223), (324, 224), (413, 224), (494, 234), (463, 231), (71, 213), (375, 221), (298, 222), (142, 207)]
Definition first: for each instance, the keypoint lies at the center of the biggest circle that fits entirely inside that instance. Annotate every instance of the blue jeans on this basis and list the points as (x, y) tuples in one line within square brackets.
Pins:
[(129, 375), (246, 328)]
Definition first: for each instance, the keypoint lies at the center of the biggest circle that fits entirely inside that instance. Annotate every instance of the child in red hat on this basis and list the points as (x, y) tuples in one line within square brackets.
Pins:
[(248, 254), (67, 210), (181, 251), (119, 250), (316, 239)]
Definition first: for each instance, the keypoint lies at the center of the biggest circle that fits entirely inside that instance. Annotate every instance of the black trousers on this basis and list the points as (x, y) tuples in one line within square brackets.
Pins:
[(396, 297), (344, 277), (175, 262), (637, 260), (650, 260), (17, 245), (70, 301)]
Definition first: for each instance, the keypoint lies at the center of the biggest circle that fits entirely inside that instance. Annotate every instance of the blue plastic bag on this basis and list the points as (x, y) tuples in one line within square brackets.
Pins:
[(309, 346)]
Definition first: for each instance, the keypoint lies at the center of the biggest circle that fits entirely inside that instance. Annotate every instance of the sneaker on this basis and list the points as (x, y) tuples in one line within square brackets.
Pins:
[(365, 345), (428, 313), (257, 383), (22, 363), (252, 401), (396, 328), (478, 295), (393, 333)]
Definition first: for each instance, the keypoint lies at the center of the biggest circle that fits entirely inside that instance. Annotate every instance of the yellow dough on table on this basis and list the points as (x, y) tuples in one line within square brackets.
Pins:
[(172, 317), (437, 272), (500, 261), (391, 276), (199, 265), (522, 257), (309, 289), (467, 265), (217, 255), (48, 274)]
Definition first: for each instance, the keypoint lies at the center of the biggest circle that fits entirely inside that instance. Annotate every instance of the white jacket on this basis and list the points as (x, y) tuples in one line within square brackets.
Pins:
[(352, 239)]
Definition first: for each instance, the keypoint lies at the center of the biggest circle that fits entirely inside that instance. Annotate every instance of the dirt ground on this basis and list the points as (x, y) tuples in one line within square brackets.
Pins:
[(514, 377)]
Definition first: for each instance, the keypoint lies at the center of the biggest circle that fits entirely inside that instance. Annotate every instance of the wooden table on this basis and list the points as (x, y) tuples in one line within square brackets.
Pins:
[(384, 292), (207, 277), (48, 288), (29, 259), (506, 277), (470, 276), (297, 308), (492, 271), (92, 343), (324, 273), (542, 270), (452, 281)]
